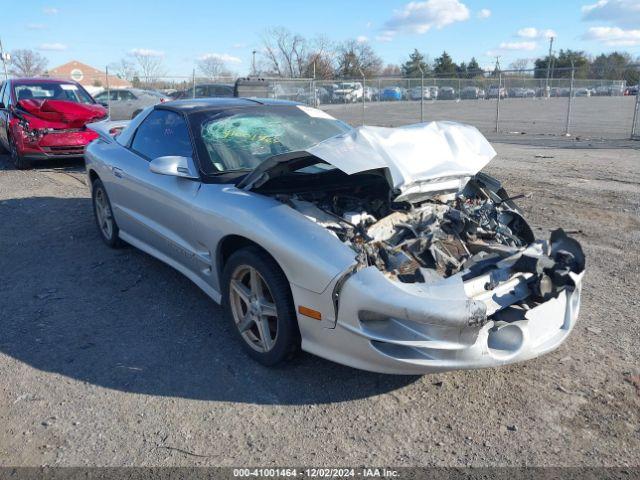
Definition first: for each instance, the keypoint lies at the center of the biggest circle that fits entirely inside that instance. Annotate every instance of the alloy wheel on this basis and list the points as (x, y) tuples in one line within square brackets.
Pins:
[(103, 213), (253, 308)]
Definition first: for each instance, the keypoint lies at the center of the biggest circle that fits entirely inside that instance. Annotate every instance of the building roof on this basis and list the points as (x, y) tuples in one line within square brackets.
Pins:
[(86, 75)]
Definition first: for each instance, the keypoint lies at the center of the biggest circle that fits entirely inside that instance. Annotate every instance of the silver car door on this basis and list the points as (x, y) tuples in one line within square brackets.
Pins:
[(158, 207)]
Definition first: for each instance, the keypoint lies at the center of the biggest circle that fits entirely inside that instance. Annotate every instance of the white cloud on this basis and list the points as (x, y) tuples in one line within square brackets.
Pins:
[(50, 10), (362, 39), (618, 12), (531, 32), (528, 32), (146, 52), (386, 36), (528, 46), (484, 13), (420, 17), (35, 26), (613, 36), (223, 57), (53, 47)]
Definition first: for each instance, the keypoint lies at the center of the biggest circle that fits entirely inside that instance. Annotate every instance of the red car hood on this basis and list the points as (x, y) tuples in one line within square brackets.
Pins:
[(60, 113)]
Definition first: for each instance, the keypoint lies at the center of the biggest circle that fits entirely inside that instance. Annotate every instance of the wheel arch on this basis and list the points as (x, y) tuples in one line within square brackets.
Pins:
[(93, 176), (230, 244)]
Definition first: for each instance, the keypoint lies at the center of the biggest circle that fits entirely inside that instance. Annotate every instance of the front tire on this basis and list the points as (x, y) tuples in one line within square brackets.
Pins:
[(257, 300), (103, 214), (18, 160)]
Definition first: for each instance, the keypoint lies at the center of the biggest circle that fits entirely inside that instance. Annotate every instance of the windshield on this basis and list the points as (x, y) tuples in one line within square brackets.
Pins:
[(52, 91), (243, 138)]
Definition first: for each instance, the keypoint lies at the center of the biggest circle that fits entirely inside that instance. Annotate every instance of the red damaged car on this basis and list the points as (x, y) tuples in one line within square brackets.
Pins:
[(44, 118)]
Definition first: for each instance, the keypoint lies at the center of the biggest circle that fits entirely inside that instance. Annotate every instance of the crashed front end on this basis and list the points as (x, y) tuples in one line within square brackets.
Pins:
[(447, 273), (47, 129)]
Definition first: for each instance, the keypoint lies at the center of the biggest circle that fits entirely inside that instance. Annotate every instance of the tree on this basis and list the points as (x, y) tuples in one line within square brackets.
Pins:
[(411, 68), (391, 70), (124, 69), (473, 69), (150, 64), (461, 70), (27, 63), (284, 52), (356, 59), (211, 66), (561, 65), (321, 59), (519, 65), (444, 66)]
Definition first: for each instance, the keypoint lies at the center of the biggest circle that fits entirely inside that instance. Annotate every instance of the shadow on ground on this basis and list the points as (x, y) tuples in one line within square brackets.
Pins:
[(121, 319)]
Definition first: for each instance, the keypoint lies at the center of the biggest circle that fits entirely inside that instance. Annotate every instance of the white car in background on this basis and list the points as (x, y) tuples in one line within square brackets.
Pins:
[(126, 103)]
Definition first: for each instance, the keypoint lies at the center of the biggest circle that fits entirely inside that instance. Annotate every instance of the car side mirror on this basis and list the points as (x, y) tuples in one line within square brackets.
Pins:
[(174, 166)]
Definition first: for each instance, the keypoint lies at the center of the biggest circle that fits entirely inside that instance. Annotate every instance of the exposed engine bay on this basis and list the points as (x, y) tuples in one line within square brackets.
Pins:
[(476, 233)]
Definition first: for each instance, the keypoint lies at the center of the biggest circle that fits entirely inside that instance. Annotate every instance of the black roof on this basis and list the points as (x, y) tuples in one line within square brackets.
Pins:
[(202, 104)]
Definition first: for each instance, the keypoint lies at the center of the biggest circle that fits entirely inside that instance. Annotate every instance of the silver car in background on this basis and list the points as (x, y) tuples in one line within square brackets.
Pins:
[(126, 103), (384, 249)]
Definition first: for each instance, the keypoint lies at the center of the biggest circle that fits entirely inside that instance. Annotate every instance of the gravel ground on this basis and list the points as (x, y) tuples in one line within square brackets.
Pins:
[(591, 117), (112, 358)]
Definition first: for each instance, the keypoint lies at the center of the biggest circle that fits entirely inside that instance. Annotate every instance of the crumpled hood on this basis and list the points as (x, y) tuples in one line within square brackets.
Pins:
[(418, 159), (60, 114), (413, 153)]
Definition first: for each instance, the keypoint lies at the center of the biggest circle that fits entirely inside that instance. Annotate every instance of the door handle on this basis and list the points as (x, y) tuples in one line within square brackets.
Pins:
[(118, 172)]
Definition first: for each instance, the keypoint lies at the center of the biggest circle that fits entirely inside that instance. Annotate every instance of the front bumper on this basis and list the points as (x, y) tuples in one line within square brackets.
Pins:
[(55, 145), (388, 327)]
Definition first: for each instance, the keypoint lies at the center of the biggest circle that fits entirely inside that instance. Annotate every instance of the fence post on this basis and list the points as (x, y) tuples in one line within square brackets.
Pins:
[(194, 83), (421, 93), (364, 93), (566, 130), (106, 78), (636, 112), (498, 102)]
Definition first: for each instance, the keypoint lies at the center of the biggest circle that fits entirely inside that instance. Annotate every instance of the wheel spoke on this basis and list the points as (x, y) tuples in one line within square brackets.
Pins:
[(245, 324), (268, 309), (265, 332), (256, 283), (242, 291)]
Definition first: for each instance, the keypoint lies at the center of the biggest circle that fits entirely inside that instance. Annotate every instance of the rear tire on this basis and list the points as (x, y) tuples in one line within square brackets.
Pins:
[(19, 161), (103, 214), (257, 300)]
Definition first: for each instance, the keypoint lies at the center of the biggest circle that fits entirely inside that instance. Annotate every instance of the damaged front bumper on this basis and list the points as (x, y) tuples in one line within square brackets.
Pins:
[(388, 326)]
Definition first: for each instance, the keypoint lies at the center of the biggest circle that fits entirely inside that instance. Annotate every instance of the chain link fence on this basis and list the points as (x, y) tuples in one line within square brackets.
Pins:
[(503, 102)]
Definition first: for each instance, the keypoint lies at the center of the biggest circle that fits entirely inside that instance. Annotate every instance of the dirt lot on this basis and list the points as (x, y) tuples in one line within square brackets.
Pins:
[(591, 117), (112, 358)]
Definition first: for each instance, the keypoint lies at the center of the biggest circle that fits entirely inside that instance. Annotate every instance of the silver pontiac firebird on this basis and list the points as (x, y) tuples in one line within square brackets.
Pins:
[(384, 249)]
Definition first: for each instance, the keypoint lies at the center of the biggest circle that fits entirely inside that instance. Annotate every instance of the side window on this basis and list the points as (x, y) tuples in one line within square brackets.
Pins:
[(2, 91), (126, 95), (101, 97), (162, 133)]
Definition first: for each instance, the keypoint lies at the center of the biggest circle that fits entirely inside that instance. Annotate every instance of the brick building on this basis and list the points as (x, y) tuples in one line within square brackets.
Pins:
[(86, 75)]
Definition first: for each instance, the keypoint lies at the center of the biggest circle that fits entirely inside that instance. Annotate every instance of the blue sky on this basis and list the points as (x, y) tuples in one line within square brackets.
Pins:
[(101, 33)]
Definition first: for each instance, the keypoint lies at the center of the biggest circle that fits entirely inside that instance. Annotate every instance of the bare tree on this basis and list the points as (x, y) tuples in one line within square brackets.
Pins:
[(520, 65), (211, 66), (320, 61), (150, 63), (392, 70), (284, 52), (124, 69), (357, 58), (27, 63)]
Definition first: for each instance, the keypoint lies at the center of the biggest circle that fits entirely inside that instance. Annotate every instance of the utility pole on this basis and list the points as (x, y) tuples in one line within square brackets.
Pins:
[(498, 96), (253, 63), (546, 85), (5, 58)]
